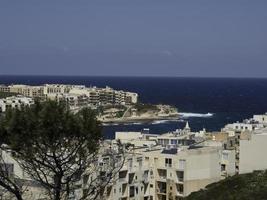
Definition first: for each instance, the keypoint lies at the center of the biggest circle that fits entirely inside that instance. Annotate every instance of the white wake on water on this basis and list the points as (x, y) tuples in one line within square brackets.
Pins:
[(166, 121), (201, 115)]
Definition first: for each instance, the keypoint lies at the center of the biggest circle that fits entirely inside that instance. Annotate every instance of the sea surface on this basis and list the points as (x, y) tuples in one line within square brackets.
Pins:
[(204, 102)]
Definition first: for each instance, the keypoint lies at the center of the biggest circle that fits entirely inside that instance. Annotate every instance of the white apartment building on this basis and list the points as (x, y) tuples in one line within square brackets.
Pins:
[(262, 119), (172, 139), (15, 102), (59, 88), (160, 174), (176, 165), (248, 125), (252, 152)]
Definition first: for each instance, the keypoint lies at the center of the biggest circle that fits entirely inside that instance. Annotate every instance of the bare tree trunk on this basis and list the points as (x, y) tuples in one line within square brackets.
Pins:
[(14, 191), (18, 196), (58, 187)]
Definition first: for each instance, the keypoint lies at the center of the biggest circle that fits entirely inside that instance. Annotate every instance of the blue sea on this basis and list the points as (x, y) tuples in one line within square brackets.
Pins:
[(225, 99)]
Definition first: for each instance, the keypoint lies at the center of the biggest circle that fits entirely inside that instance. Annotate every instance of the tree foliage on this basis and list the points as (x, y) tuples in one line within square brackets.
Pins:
[(51, 144)]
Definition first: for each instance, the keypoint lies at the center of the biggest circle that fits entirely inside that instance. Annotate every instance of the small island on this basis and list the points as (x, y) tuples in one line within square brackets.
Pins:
[(136, 113)]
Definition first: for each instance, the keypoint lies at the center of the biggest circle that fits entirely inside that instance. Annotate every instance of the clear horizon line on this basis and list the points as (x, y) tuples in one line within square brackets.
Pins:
[(135, 76)]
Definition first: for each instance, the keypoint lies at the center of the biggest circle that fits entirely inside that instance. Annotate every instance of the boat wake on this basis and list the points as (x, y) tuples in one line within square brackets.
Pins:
[(166, 121), (154, 122), (200, 115)]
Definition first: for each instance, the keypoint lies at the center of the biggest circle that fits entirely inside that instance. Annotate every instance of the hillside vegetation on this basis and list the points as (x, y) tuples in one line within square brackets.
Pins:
[(252, 186)]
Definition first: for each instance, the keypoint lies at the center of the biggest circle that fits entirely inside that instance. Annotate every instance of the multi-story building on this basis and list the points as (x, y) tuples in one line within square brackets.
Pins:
[(4, 88), (245, 133), (159, 174), (252, 152), (15, 102), (172, 165), (96, 96)]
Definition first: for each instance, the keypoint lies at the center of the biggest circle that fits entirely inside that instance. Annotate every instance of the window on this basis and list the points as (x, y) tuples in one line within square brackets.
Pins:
[(160, 141), (139, 160), (181, 164), (7, 168), (225, 156), (223, 167), (130, 161), (180, 176), (168, 162), (132, 191), (180, 188), (173, 141)]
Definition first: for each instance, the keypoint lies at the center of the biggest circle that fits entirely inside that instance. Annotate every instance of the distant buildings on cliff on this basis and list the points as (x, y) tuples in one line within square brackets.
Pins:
[(75, 95)]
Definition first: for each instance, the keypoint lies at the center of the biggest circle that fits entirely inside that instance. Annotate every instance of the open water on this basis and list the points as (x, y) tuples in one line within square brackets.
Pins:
[(205, 102)]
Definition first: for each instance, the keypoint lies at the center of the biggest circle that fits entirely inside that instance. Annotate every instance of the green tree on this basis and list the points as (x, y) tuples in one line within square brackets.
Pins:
[(51, 144)]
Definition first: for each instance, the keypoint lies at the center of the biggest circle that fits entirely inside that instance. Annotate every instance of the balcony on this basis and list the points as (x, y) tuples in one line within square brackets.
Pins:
[(124, 190), (162, 174), (168, 165), (146, 179), (180, 176), (161, 187), (162, 197), (180, 189), (131, 178), (122, 180)]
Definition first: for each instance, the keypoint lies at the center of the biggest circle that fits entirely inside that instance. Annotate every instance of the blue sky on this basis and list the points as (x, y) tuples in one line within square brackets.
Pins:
[(134, 37)]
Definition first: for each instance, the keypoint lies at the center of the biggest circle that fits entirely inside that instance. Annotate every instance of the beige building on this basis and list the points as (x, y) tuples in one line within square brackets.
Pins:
[(159, 174), (253, 152), (169, 166)]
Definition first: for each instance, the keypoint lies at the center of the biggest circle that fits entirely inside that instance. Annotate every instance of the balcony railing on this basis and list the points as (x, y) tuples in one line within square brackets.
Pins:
[(168, 165)]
